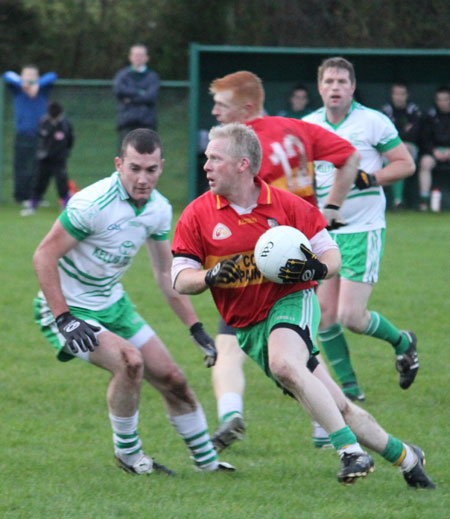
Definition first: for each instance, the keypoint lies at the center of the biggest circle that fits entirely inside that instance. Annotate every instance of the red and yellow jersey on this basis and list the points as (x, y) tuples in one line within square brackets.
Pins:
[(290, 147), (210, 230)]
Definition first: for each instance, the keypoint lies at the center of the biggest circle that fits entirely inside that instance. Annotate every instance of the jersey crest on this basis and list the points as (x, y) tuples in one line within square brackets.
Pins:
[(221, 232)]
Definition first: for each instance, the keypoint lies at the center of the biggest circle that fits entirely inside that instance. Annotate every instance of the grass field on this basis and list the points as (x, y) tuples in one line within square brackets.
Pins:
[(56, 454)]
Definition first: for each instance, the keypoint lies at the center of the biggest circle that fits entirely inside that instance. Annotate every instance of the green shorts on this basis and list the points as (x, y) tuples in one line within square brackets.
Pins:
[(361, 254), (120, 318), (300, 309)]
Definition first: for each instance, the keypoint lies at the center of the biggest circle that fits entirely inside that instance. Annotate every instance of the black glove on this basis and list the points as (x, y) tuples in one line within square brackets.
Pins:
[(365, 180), (333, 217), (297, 271), (79, 334), (226, 271), (205, 343)]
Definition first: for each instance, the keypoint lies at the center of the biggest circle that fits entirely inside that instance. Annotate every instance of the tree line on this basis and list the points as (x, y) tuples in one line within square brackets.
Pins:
[(91, 38)]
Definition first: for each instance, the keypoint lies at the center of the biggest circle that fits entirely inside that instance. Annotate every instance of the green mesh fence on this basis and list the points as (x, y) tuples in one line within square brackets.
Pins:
[(91, 107)]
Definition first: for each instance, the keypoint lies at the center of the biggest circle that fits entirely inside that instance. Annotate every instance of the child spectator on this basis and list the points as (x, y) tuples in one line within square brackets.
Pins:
[(55, 142)]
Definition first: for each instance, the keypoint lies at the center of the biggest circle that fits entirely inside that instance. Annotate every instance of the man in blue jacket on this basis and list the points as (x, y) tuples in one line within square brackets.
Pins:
[(136, 88), (30, 96)]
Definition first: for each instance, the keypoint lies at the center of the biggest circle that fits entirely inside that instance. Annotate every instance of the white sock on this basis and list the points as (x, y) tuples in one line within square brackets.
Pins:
[(229, 403), (409, 460), (193, 428), (127, 444), (319, 431), (354, 448)]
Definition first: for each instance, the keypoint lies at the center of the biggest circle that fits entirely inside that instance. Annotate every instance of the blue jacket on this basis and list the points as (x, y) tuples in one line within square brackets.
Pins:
[(29, 110), (137, 93)]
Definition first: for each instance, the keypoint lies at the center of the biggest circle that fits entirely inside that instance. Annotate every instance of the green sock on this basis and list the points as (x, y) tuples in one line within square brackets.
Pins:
[(381, 328), (397, 191), (336, 349), (394, 451), (343, 437)]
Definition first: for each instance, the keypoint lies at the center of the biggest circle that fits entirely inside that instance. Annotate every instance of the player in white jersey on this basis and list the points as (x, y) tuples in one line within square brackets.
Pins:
[(84, 312), (344, 298)]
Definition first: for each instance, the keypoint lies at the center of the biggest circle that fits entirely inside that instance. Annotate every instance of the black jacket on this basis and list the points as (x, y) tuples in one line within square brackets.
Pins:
[(55, 139), (137, 93)]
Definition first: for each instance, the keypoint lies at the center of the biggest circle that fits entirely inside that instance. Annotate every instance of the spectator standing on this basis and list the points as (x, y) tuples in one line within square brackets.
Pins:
[(435, 143), (30, 97), (136, 88), (55, 142), (406, 117), (298, 103)]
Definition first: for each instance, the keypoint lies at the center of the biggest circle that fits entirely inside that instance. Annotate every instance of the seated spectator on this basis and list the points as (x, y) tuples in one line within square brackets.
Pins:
[(406, 117), (435, 143), (298, 103)]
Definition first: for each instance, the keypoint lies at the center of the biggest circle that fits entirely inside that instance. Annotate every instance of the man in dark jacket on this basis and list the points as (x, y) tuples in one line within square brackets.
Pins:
[(407, 118), (136, 88), (435, 143)]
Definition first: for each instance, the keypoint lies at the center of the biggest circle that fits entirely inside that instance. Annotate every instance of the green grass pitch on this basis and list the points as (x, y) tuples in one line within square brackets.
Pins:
[(56, 454), (56, 447)]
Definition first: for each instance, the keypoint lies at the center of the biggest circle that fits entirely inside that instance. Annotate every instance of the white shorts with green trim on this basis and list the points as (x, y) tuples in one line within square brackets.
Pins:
[(361, 254)]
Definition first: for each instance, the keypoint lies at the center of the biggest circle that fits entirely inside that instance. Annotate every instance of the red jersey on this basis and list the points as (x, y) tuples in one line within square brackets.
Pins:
[(210, 230), (290, 147)]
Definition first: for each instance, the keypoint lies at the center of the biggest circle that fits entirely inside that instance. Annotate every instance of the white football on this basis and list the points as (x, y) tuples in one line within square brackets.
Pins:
[(277, 245)]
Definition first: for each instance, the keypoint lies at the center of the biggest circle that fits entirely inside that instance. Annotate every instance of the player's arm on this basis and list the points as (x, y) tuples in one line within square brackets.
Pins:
[(79, 335), (401, 165), (332, 148), (161, 257), (190, 281), (45, 260), (343, 181)]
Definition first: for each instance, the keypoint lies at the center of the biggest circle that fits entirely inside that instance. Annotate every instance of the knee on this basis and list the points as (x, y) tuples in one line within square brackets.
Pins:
[(175, 382), (427, 163), (132, 364), (283, 372), (353, 320)]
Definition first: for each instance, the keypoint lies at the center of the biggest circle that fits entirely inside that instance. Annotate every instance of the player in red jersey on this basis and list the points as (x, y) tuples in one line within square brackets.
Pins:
[(219, 231), (290, 147)]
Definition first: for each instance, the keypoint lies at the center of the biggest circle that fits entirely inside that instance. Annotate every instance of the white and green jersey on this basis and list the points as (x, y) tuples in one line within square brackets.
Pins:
[(372, 134), (110, 230)]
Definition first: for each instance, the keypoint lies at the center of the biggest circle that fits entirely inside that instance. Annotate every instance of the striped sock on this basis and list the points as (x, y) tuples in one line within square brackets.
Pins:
[(192, 427), (127, 443), (381, 328), (399, 453), (228, 405)]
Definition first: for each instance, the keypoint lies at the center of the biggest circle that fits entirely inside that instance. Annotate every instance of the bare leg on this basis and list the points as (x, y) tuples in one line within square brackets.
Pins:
[(363, 424), (427, 163), (228, 373), (288, 355), (353, 299), (161, 371), (124, 362)]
